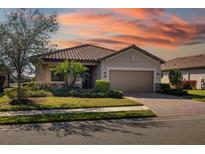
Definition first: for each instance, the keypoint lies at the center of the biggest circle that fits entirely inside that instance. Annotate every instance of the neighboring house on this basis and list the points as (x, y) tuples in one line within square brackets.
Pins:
[(192, 68), (131, 69)]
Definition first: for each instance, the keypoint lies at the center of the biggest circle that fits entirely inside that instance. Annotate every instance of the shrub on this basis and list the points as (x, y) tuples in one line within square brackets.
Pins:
[(73, 93), (115, 94), (98, 95), (12, 92), (31, 85), (189, 84), (175, 77), (178, 92), (89, 93), (40, 93), (61, 92), (47, 87), (165, 87), (102, 86)]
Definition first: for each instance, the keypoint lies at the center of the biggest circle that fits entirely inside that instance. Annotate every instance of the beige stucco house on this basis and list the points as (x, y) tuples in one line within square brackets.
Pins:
[(192, 68), (131, 69)]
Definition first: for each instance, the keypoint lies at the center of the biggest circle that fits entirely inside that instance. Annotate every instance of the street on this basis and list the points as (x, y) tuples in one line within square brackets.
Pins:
[(184, 130)]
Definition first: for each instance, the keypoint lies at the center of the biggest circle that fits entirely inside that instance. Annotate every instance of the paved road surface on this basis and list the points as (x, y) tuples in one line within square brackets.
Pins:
[(189, 130), (166, 105)]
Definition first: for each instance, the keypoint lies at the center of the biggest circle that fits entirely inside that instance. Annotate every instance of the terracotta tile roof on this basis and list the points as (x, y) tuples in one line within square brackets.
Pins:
[(196, 61), (85, 52), (89, 52)]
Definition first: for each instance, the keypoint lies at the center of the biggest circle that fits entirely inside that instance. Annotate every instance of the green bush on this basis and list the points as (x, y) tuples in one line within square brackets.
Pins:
[(40, 93), (175, 78), (47, 87), (61, 92), (87, 93), (178, 92), (99, 95), (12, 92), (102, 86), (31, 85), (115, 94), (73, 93), (165, 87)]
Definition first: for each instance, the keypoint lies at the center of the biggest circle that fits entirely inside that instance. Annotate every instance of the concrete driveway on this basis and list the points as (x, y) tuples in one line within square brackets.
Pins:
[(165, 105)]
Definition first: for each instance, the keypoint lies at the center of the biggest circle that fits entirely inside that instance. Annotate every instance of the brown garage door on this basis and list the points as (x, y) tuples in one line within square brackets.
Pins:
[(131, 81)]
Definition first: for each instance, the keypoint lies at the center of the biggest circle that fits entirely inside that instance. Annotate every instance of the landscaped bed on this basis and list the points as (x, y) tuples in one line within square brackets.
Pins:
[(65, 103), (75, 117), (196, 95)]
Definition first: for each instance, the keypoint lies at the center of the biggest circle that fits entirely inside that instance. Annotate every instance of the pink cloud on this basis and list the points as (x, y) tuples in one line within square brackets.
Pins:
[(168, 31)]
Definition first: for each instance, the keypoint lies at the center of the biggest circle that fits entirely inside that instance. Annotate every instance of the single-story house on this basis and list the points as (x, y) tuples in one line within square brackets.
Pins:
[(192, 68), (131, 69)]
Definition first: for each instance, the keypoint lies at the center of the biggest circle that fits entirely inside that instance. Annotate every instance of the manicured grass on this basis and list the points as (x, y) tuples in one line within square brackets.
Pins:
[(75, 117), (65, 103), (197, 92), (196, 95)]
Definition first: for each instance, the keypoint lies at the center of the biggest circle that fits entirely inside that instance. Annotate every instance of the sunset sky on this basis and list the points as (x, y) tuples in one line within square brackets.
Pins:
[(167, 33)]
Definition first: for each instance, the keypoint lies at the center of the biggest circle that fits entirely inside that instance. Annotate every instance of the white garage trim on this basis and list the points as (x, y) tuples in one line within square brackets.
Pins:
[(133, 69)]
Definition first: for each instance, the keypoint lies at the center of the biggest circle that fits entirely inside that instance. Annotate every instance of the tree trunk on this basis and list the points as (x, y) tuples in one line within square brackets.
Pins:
[(73, 81), (19, 91)]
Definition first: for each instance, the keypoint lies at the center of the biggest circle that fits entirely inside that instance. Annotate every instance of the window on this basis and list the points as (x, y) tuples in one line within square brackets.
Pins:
[(57, 77)]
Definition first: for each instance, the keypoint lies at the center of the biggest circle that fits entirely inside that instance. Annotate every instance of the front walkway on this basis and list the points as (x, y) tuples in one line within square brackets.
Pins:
[(81, 110), (166, 105)]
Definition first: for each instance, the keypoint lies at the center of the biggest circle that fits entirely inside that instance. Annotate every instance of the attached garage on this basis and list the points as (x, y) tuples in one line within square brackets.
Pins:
[(132, 81)]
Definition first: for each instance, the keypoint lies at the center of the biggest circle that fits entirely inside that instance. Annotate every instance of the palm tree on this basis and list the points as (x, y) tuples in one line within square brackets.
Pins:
[(71, 71)]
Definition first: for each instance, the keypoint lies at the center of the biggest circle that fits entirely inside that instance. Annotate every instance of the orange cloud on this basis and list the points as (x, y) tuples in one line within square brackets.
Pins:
[(139, 12), (65, 44), (114, 31)]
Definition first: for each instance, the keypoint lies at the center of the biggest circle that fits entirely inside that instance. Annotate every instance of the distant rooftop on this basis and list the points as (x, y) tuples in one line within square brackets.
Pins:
[(196, 61)]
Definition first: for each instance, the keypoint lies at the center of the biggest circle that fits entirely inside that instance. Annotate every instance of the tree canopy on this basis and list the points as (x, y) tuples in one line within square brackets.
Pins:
[(25, 33)]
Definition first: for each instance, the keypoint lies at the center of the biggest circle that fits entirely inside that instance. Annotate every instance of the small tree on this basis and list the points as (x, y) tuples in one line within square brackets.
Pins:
[(25, 33), (71, 71), (175, 78)]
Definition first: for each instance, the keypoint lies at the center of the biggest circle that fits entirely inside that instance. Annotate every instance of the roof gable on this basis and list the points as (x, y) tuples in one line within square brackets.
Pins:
[(138, 49)]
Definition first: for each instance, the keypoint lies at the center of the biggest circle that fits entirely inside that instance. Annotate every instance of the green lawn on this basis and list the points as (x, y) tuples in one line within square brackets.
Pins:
[(75, 117), (196, 95), (65, 102)]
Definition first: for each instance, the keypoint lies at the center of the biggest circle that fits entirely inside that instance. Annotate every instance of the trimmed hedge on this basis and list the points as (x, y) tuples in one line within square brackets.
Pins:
[(102, 86)]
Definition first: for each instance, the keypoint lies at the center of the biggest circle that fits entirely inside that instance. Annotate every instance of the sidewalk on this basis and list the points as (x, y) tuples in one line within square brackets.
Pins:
[(81, 110)]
